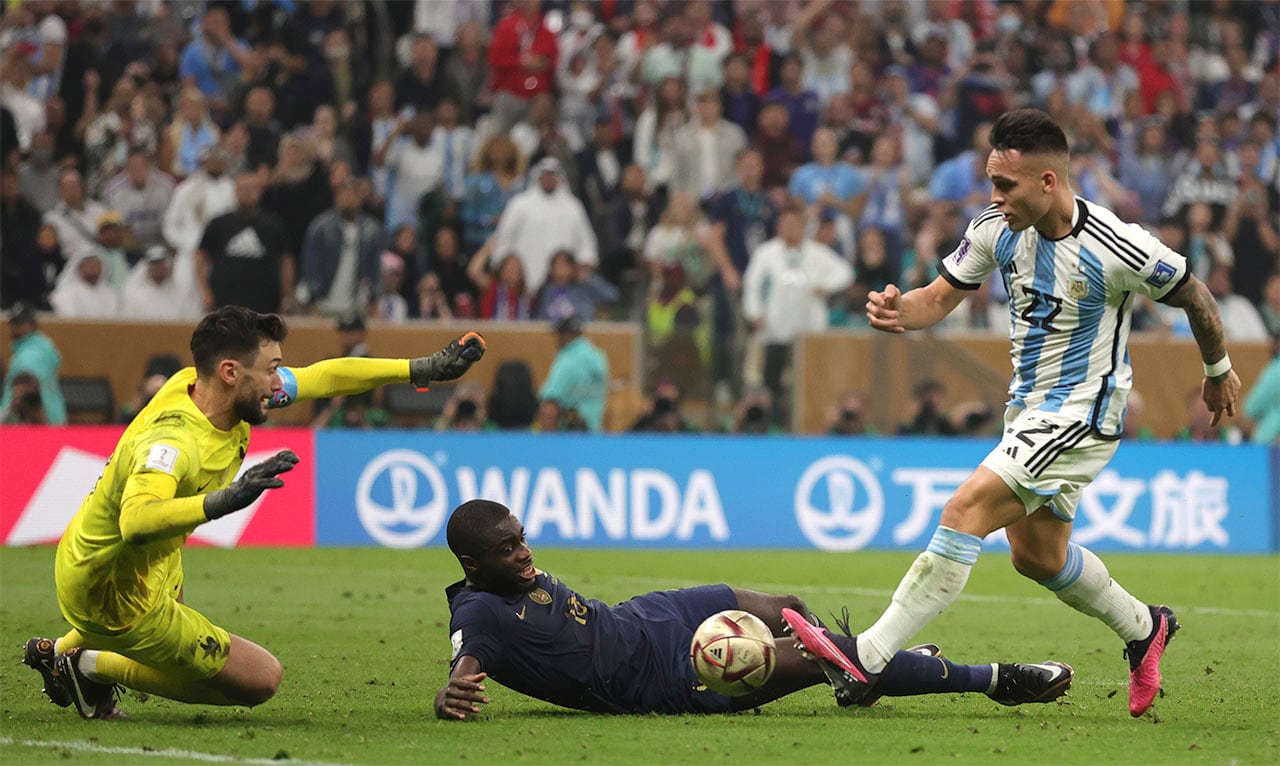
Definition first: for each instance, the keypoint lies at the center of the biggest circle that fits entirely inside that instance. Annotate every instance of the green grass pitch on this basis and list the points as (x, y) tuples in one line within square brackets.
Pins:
[(363, 637)]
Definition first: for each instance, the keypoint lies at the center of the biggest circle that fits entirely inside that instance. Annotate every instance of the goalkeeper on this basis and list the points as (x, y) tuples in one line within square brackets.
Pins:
[(118, 570)]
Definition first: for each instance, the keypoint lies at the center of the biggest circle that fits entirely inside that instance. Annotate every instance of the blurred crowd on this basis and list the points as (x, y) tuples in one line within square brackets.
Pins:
[(727, 173)]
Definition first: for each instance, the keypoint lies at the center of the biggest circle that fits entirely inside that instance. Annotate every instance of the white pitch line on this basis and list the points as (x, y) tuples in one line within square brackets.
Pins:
[(878, 593), (187, 755)]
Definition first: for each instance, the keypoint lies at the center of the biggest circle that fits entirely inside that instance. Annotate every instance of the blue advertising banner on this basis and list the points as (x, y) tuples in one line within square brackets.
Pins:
[(397, 488)]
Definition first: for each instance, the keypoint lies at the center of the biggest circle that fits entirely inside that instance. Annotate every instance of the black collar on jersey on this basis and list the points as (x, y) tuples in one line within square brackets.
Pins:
[(1081, 215)]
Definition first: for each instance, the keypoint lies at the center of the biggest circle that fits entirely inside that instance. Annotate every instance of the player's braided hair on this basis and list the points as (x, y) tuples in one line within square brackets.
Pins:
[(471, 527), (1028, 131), (232, 332)]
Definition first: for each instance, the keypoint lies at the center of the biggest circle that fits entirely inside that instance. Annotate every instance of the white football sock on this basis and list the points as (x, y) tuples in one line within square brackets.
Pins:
[(1084, 584), (930, 585), (87, 661)]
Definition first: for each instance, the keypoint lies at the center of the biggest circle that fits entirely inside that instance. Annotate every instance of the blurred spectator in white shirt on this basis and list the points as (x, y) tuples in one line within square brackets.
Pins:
[(85, 291), (151, 292)]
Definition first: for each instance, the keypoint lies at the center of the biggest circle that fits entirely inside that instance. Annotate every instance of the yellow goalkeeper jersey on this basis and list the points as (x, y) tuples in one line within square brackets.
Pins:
[(125, 542)]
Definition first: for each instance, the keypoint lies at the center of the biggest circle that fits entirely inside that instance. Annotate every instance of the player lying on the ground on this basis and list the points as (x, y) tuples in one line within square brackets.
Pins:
[(532, 633), (118, 570)]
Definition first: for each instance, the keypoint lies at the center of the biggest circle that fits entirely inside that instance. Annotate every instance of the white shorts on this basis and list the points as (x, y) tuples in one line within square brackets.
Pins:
[(1048, 459)]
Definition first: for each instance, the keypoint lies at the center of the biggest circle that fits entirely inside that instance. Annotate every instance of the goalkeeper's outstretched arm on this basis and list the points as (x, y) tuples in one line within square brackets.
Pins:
[(354, 375)]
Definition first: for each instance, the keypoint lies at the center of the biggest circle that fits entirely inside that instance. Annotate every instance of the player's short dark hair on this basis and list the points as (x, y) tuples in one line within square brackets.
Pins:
[(470, 530), (1028, 131), (232, 332)]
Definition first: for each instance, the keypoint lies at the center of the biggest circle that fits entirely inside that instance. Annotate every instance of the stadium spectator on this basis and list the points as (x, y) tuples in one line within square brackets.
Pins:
[(663, 415), (123, 127), (804, 107), (141, 193), (22, 275), (456, 144), (1240, 318), (673, 315), (298, 188), (213, 60), (496, 177), (432, 302), (512, 402), (523, 55), (25, 405), (191, 133), (545, 134), (264, 132), (1252, 235), (570, 291), (881, 205), (84, 289), (846, 416), (543, 219), (781, 151), (116, 248), (370, 132), (466, 70), (742, 220), (785, 291), (420, 86), (449, 264), (203, 412), (1145, 171), (75, 218), (577, 385), (26, 110), (202, 196), (643, 34), (820, 37), (705, 150), (683, 237), (465, 410), (653, 143), (600, 167), (327, 138), (738, 102), (1204, 179), (340, 256), (243, 258), (152, 293), (504, 294), (962, 180), (917, 115), (39, 173), (416, 164), (388, 303), (625, 224), (34, 354), (827, 185), (753, 413)]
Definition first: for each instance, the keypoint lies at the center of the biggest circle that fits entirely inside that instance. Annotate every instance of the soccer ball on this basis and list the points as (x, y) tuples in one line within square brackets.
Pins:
[(733, 652)]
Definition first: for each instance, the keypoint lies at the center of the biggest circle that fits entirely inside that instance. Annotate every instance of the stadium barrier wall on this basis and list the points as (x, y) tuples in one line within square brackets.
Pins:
[(396, 489), (884, 368)]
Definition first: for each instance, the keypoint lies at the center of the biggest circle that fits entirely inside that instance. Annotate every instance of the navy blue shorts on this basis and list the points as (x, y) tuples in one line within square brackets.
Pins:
[(668, 618)]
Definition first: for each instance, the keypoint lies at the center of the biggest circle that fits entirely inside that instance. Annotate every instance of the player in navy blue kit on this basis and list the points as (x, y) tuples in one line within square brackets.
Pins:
[(532, 633)]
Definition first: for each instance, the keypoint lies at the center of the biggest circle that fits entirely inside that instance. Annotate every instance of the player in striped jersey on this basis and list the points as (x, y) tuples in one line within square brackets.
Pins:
[(1071, 268)]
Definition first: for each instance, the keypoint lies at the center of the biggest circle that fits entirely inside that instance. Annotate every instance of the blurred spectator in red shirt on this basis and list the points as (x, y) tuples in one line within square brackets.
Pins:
[(523, 57)]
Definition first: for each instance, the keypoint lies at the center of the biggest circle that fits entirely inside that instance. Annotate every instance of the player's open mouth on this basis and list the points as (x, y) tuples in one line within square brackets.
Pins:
[(528, 573)]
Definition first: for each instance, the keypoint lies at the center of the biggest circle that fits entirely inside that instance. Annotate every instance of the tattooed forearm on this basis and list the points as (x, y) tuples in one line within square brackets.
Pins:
[(1202, 312)]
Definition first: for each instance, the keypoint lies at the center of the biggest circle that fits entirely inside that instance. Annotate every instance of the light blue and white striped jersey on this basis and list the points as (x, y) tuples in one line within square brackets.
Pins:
[(1070, 304)]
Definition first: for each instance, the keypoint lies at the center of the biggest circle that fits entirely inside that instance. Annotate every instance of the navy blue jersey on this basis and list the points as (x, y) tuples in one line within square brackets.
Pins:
[(553, 644)]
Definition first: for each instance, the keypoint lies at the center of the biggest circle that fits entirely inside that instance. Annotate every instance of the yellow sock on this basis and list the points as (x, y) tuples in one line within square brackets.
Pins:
[(116, 668), (71, 640)]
